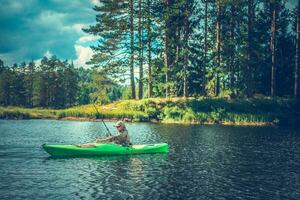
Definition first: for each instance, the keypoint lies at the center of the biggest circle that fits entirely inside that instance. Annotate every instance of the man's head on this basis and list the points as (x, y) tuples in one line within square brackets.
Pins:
[(120, 126)]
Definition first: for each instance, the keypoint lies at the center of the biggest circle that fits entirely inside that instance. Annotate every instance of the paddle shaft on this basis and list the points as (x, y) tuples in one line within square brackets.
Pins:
[(109, 134)]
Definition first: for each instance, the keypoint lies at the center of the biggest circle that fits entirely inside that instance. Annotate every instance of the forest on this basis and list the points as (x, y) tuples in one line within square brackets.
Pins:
[(54, 84), (183, 48), (199, 48)]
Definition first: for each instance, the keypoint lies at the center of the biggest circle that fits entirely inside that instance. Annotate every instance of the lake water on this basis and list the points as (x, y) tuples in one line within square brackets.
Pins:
[(204, 162)]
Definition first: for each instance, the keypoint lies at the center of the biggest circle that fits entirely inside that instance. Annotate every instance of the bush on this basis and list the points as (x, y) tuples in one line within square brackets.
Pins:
[(212, 110), (218, 115), (135, 106), (202, 117), (139, 117), (14, 115), (61, 114), (172, 113), (189, 115), (152, 112)]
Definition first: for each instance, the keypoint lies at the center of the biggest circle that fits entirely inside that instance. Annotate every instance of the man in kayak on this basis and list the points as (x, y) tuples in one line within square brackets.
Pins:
[(121, 137)]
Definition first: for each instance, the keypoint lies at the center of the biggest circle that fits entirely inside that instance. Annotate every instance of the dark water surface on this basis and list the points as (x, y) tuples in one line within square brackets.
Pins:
[(204, 162)]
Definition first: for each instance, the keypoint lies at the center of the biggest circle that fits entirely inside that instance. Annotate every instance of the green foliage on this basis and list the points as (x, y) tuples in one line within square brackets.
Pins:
[(56, 84), (182, 40), (126, 93), (100, 86), (251, 111), (152, 112), (114, 92), (14, 115), (174, 113), (111, 24), (189, 115), (51, 84), (218, 115), (202, 117)]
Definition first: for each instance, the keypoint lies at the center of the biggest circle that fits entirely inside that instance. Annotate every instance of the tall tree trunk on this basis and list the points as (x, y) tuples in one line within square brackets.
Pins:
[(217, 92), (133, 95), (186, 37), (205, 47), (32, 67), (178, 41), (178, 55), (273, 45), (249, 69), (149, 50), (140, 52), (166, 59), (296, 73), (232, 39), (166, 62)]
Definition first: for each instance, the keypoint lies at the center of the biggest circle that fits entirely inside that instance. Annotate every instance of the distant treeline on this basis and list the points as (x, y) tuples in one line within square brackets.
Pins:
[(198, 48), (54, 83)]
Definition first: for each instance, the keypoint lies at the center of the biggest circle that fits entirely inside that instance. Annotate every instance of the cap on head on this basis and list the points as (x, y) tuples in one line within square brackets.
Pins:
[(120, 123)]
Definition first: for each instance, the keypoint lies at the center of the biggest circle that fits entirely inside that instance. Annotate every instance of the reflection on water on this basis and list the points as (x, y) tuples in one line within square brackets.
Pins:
[(204, 162)]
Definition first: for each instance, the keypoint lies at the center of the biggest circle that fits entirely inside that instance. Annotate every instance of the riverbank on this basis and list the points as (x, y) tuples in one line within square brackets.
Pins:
[(176, 110)]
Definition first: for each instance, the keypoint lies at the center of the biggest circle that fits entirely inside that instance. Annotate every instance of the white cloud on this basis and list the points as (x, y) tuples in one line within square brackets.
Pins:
[(95, 2), (17, 6), (78, 27), (37, 62), (48, 18), (73, 3), (54, 22), (30, 28), (87, 38), (48, 54), (84, 54), (10, 8)]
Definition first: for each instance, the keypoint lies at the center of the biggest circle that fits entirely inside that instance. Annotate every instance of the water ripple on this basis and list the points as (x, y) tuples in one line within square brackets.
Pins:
[(204, 162)]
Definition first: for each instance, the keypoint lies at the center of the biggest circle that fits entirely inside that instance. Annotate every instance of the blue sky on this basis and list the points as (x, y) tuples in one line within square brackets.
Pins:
[(30, 29)]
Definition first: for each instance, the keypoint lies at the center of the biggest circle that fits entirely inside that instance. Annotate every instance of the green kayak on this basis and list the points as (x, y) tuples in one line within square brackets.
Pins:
[(104, 149)]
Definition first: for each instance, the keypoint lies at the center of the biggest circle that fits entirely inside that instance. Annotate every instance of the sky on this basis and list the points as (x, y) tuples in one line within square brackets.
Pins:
[(31, 29)]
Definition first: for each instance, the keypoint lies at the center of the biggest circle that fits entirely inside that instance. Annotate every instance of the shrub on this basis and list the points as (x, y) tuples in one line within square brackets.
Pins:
[(13, 114), (152, 112), (189, 115), (140, 117), (172, 113), (218, 115), (61, 114)]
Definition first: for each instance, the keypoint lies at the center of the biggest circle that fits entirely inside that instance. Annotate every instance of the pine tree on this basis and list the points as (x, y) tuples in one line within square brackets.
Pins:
[(205, 47), (149, 48), (218, 46), (167, 48), (250, 49), (5, 76), (115, 53), (29, 81), (140, 48), (296, 71), (273, 6), (70, 84)]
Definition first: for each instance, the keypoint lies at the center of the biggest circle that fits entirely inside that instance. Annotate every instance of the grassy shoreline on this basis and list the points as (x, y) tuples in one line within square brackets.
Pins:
[(242, 112)]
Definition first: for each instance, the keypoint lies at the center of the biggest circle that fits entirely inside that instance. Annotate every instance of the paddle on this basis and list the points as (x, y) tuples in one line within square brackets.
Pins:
[(108, 132)]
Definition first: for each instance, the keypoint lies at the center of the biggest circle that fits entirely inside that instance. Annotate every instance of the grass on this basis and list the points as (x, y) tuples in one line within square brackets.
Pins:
[(26, 113), (176, 110)]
